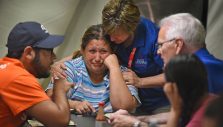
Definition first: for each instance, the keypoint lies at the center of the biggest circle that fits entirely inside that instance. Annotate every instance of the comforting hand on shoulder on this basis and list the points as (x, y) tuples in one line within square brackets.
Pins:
[(58, 69)]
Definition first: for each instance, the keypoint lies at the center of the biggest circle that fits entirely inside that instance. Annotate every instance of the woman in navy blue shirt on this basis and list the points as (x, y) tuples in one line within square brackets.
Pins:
[(134, 40)]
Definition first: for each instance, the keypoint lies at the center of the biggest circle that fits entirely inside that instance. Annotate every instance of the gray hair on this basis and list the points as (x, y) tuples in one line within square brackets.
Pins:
[(185, 26)]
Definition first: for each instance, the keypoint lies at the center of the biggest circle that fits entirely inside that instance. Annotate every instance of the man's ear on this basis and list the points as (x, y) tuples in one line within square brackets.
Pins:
[(29, 53), (179, 44)]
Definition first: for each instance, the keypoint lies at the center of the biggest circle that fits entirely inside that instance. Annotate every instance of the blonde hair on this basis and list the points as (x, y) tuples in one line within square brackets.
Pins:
[(122, 14)]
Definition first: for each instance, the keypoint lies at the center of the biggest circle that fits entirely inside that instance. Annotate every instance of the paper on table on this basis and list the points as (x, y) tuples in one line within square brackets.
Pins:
[(35, 123), (107, 115)]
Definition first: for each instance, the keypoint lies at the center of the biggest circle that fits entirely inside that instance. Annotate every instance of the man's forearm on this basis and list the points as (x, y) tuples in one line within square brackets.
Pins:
[(152, 81), (60, 99), (160, 118)]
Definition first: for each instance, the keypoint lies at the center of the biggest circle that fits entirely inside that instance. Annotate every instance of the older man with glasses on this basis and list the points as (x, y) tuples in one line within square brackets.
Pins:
[(183, 33), (179, 34)]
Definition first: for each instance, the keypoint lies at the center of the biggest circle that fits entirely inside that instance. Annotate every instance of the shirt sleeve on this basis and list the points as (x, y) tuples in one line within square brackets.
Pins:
[(134, 92), (132, 89), (71, 73), (23, 92)]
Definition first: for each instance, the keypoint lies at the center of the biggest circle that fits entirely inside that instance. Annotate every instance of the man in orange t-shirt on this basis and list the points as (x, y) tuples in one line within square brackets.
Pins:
[(30, 54)]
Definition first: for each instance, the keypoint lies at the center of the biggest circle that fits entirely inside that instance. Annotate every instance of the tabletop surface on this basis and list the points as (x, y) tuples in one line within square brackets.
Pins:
[(88, 121)]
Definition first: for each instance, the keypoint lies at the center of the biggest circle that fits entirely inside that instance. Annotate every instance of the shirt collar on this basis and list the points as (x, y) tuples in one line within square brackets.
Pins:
[(201, 51), (13, 61)]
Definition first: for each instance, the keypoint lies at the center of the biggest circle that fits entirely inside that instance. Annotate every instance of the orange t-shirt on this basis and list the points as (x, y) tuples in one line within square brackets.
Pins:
[(19, 90)]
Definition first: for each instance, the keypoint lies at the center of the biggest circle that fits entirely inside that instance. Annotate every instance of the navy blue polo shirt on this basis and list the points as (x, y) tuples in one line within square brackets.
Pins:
[(214, 68), (146, 63)]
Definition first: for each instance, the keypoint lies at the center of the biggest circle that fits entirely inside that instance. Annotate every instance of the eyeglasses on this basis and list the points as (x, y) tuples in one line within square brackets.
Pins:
[(160, 44)]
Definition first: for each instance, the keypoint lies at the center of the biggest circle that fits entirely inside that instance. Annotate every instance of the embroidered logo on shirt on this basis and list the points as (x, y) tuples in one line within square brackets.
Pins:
[(3, 66), (141, 62)]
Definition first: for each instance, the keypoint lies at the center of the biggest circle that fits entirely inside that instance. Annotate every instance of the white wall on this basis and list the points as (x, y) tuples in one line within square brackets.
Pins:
[(214, 38), (72, 17), (66, 17), (86, 14), (54, 14)]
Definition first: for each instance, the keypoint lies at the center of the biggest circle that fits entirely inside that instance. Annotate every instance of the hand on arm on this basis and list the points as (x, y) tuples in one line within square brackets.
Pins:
[(59, 67), (123, 99), (131, 78), (153, 81)]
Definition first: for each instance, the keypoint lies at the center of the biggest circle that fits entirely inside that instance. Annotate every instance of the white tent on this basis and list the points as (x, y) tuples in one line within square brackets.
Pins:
[(72, 17)]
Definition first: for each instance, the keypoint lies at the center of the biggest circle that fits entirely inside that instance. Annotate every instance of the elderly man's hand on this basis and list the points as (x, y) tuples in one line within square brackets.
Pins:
[(117, 120)]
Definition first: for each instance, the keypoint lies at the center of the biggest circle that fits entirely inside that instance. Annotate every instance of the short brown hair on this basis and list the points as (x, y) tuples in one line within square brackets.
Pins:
[(120, 14)]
